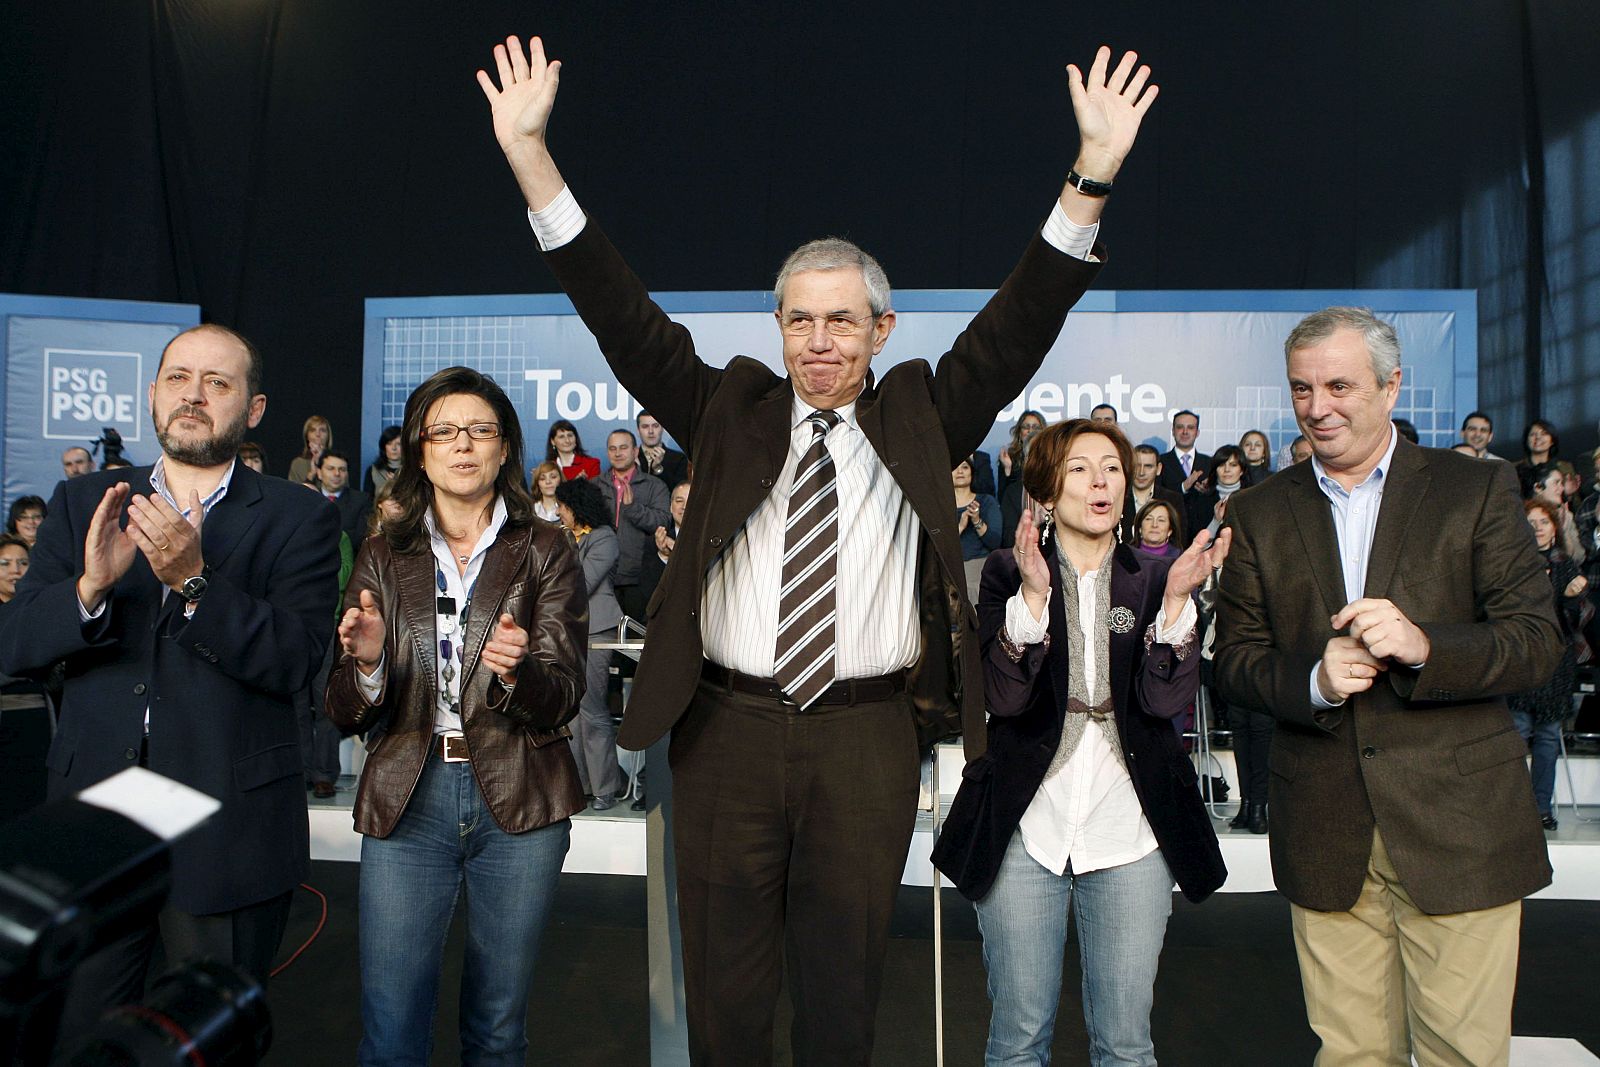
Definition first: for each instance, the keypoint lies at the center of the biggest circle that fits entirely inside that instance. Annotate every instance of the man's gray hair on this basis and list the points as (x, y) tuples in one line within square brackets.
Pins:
[(835, 253), (1383, 347)]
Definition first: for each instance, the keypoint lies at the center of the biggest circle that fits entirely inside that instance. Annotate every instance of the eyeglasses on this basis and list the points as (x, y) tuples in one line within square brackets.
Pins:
[(802, 325), (442, 433)]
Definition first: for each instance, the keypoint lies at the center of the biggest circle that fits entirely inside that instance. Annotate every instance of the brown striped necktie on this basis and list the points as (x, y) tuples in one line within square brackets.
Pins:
[(803, 657)]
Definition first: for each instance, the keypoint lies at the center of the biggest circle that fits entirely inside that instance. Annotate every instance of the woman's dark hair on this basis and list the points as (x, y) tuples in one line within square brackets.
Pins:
[(1543, 473), (1049, 448), (389, 434), (1221, 456), (587, 502), (21, 504), (1174, 522), (13, 539), (251, 450), (1547, 427), (550, 440), (412, 489)]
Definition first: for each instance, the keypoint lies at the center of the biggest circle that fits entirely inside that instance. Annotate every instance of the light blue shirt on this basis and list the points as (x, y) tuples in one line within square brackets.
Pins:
[(1355, 520)]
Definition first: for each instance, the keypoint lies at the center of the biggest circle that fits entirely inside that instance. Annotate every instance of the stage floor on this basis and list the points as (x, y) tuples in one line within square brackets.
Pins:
[(1228, 993)]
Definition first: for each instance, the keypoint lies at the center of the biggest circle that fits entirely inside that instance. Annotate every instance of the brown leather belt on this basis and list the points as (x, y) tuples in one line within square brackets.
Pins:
[(452, 748), (845, 691)]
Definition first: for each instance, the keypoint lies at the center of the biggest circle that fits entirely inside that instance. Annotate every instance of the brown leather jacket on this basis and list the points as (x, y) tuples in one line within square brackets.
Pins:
[(517, 738)]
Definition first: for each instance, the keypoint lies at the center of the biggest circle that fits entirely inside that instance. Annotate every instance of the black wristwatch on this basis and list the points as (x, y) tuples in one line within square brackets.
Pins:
[(1088, 186), (194, 588)]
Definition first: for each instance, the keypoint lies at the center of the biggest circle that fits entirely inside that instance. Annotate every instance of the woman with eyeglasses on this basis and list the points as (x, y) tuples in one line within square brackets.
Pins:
[(27, 512), (462, 651)]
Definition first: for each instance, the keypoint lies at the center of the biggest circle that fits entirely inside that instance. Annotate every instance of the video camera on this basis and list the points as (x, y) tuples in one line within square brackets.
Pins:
[(76, 875), (108, 446)]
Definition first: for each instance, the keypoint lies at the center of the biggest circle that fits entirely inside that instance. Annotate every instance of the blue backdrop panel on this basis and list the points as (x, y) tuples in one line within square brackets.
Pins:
[(73, 368), (1147, 353)]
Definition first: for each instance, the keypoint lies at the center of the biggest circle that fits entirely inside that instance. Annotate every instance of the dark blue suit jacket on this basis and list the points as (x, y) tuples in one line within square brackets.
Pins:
[(218, 686)]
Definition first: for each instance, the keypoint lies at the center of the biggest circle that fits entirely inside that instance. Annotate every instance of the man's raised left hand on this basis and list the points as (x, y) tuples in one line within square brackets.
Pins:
[(169, 541)]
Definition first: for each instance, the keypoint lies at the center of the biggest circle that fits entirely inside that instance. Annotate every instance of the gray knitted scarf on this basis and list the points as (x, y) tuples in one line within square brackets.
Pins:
[(1079, 711)]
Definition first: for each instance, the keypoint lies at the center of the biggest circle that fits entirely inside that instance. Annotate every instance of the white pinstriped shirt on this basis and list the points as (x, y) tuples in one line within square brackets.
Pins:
[(876, 622), (876, 565)]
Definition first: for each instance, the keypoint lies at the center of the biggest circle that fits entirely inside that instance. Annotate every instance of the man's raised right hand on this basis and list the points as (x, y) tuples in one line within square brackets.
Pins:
[(520, 105)]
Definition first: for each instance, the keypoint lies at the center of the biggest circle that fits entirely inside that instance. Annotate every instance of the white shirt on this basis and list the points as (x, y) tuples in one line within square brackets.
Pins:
[(457, 585), (876, 625), (876, 565), (1088, 814)]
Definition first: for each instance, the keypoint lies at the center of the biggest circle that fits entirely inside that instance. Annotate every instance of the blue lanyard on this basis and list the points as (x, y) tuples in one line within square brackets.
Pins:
[(450, 650)]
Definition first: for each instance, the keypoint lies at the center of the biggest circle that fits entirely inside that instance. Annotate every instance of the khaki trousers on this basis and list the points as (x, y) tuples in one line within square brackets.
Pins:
[(1384, 981)]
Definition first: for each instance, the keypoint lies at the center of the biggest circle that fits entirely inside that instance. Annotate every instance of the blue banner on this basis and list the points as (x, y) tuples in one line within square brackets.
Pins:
[(74, 369), (1149, 354)]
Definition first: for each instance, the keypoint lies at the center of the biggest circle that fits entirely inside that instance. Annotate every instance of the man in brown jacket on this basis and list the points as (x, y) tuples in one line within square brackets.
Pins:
[(1378, 601)]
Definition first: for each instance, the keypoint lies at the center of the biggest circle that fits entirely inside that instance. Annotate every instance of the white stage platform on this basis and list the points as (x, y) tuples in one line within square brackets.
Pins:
[(614, 842)]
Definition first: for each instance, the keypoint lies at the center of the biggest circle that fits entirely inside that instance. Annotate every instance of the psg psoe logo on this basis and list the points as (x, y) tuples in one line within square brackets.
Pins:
[(86, 392)]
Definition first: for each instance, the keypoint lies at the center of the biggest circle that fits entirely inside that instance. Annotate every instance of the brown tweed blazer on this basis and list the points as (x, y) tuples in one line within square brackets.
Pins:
[(1430, 754)]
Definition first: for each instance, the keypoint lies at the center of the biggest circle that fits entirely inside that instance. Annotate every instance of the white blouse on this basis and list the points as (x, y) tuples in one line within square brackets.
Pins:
[(1087, 815)]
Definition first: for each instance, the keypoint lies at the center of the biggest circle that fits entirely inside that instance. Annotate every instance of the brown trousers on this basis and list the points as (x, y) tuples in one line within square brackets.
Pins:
[(792, 830)]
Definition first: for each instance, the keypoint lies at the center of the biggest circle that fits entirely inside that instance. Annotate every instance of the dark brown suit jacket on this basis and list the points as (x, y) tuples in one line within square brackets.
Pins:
[(1429, 755), (735, 424), (520, 757)]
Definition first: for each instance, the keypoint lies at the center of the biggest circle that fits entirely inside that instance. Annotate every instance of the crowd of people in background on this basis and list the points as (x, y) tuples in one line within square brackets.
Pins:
[(1172, 496), (626, 519)]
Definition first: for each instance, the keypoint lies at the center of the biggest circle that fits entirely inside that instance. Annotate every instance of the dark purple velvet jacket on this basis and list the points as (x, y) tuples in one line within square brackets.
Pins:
[(1027, 708)]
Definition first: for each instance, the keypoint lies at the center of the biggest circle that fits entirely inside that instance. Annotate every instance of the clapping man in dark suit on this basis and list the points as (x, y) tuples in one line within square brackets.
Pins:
[(804, 627), (667, 464), (190, 600), (1183, 464), (1377, 601)]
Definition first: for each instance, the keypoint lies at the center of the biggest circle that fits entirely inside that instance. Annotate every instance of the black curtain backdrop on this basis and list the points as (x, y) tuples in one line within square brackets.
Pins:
[(276, 161)]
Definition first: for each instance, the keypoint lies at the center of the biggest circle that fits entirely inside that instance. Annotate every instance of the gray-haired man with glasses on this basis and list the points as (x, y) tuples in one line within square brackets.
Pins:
[(812, 631)]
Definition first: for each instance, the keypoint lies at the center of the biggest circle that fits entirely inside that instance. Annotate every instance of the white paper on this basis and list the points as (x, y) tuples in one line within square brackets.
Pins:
[(166, 808)]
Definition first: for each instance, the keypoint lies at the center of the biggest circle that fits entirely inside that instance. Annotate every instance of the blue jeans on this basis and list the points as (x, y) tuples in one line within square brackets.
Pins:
[(1121, 915), (1544, 738), (409, 884)]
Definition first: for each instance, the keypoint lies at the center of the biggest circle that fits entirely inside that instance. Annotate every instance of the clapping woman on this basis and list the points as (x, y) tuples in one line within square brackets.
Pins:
[(462, 657), (1084, 801)]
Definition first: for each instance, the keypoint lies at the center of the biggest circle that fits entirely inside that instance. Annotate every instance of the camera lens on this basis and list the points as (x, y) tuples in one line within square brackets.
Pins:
[(204, 1012)]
